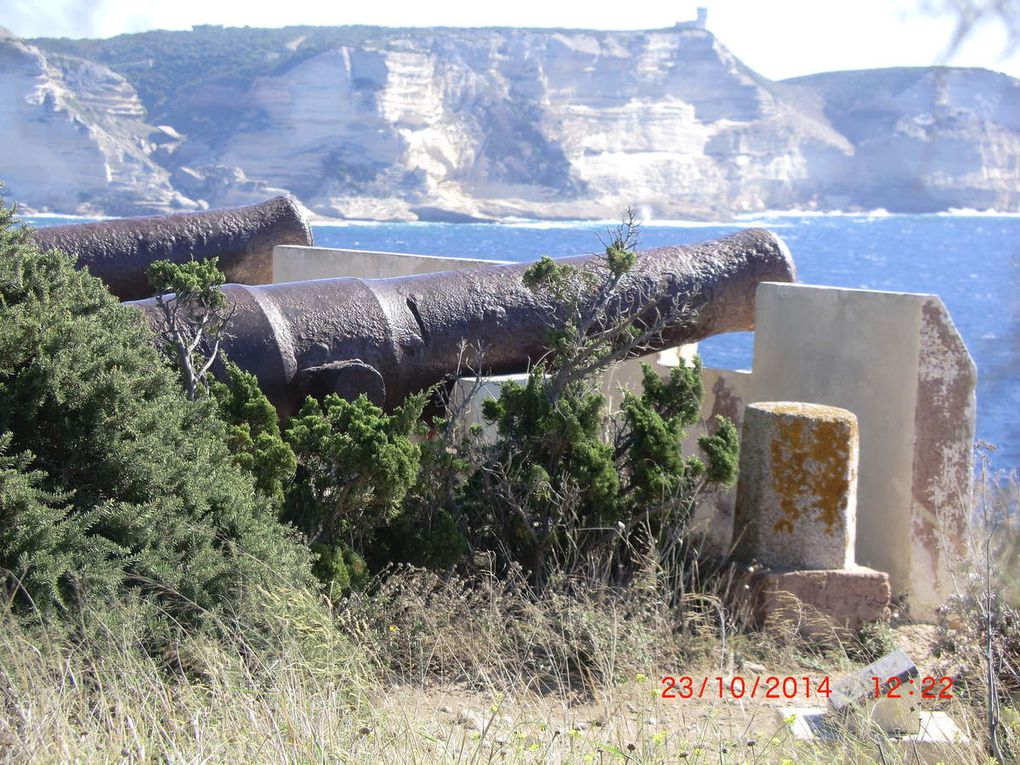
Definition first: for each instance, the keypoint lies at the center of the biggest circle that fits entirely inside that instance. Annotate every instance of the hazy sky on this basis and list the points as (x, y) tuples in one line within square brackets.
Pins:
[(779, 38)]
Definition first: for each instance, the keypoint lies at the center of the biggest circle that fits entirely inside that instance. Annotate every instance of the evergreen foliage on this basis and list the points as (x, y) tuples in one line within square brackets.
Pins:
[(110, 476), (355, 466), (253, 433), (427, 532), (194, 313), (48, 552), (126, 476), (566, 479), (339, 567), (194, 282)]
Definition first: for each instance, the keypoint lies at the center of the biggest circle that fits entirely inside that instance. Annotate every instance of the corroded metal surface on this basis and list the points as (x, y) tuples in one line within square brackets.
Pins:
[(390, 337), (119, 251)]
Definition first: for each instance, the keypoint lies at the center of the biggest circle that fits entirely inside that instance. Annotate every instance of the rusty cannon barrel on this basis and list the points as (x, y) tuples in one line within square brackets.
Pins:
[(119, 251), (390, 337)]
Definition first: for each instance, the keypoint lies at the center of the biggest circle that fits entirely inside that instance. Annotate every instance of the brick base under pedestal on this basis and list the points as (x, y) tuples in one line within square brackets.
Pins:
[(817, 600)]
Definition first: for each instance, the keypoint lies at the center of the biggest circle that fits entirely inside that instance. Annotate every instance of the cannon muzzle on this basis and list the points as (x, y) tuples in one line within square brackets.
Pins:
[(391, 337), (119, 251)]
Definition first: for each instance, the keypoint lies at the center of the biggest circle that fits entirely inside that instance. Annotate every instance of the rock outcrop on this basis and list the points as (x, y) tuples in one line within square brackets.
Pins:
[(74, 137), (923, 139), (447, 124)]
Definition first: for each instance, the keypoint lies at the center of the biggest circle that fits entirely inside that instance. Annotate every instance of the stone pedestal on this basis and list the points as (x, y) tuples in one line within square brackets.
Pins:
[(797, 493), (820, 601), (795, 516)]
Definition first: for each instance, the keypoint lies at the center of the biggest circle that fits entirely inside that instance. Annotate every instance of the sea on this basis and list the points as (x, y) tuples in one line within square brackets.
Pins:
[(970, 260)]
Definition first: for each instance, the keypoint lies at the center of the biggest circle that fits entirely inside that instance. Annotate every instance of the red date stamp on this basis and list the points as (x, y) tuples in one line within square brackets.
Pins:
[(786, 687), (737, 687)]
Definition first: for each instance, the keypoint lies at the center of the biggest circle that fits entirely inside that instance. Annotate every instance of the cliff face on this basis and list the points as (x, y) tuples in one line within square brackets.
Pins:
[(924, 139), (74, 137), (522, 123), (442, 124)]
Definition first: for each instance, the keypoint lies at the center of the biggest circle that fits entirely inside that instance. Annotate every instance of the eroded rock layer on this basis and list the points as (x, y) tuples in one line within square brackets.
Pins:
[(446, 124)]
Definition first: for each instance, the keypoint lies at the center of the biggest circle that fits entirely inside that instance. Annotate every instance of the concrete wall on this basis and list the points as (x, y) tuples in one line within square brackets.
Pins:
[(896, 361), (293, 263), (856, 350), (727, 393)]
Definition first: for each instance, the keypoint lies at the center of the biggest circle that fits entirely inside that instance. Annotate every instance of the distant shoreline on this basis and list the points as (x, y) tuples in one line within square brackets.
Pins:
[(744, 219)]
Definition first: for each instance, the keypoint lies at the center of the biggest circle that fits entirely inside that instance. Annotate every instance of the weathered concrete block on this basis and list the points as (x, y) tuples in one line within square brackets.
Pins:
[(938, 740), (797, 493), (818, 601), (727, 393), (942, 475), (294, 263), (898, 363), (855, 702), (896, 717)]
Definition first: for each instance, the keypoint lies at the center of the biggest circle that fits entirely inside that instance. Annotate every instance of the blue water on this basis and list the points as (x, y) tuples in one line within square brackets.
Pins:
[(973, 263)]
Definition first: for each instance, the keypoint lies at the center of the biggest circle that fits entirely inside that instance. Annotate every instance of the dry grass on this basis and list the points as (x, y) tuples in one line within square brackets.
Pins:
[(433, 668), (430, 669), (979, 626)]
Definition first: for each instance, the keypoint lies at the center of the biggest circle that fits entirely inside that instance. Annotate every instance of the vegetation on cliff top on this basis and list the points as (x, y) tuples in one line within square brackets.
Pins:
[(163, 64)]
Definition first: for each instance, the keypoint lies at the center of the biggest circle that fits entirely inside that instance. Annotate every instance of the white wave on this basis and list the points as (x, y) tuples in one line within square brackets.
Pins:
[(514, 222), (879, 212), (28, 218), (340, 223), (668, 223), (601, 225), (966, 212)]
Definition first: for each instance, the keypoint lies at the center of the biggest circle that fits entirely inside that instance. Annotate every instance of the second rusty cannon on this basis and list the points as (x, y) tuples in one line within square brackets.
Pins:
[(119, 251), (390, 337)]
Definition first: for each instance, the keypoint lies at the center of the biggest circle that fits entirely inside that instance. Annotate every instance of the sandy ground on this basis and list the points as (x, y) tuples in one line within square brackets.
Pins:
[(633, 723)]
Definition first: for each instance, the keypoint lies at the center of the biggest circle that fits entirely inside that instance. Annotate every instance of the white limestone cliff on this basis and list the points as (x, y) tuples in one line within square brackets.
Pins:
[(491, 123), (923, 139), (74, 138)]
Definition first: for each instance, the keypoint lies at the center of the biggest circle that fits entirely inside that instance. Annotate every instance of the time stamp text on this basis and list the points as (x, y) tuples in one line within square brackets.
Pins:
[(792, 687)]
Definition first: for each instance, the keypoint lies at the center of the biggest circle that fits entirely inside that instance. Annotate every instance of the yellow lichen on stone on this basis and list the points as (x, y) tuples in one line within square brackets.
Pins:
[(830, 451), (787, 472), (810, 464)]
